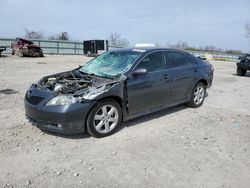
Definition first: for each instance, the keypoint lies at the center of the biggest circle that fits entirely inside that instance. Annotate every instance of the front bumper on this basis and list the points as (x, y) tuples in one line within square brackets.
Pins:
[(210, 82), (67, 119)]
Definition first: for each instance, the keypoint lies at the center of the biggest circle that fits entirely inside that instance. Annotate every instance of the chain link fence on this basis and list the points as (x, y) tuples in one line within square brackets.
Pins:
[(77, 48), (50, 46)]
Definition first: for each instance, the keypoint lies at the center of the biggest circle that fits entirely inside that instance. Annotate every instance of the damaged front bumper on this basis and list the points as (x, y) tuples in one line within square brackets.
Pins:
[(66, 119)]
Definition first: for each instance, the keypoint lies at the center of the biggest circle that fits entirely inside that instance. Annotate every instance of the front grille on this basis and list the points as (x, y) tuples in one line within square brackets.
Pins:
[(34, 99)]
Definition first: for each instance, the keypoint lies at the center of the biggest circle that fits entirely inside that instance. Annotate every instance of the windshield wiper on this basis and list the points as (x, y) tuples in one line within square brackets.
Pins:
[(105, 75), (100, 74), (90, 74), (85, 73)]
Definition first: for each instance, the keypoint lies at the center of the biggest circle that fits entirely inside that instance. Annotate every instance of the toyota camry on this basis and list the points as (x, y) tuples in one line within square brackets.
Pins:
[(117, 86)]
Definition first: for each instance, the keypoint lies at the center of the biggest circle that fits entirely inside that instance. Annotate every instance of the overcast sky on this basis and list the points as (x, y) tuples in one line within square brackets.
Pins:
[(197, 22)]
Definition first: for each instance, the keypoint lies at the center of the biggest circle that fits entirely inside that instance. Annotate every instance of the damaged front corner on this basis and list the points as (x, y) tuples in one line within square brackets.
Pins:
[(95, 92)]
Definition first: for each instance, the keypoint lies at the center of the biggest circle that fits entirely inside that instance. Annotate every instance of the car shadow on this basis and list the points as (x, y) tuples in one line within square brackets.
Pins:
[(247, 75), (152, 116), (68, 136)]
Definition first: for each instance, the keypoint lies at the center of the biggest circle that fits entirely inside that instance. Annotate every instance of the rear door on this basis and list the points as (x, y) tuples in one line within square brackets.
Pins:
[(182, 72), (145, 92)]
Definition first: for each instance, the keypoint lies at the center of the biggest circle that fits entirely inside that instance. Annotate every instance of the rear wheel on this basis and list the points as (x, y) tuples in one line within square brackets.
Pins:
[(41, 53), (104, 119), (197, 95), (20, 53), (241, 71)]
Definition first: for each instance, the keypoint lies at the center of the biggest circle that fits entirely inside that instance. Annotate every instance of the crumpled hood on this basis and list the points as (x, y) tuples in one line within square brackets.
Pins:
[(73, 82)]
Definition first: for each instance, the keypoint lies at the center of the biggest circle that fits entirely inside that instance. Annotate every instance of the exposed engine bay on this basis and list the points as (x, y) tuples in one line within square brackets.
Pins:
[(73, 82)]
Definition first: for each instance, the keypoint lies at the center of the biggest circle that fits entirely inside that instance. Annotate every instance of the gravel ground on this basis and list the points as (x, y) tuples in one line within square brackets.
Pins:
[(178, 147)]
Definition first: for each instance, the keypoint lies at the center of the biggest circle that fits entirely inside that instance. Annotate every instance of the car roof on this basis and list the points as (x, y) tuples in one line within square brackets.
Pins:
[(146, 49)]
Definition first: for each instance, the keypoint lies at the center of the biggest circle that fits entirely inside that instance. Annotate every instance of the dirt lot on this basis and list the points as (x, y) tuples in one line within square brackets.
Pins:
[(178, 147)]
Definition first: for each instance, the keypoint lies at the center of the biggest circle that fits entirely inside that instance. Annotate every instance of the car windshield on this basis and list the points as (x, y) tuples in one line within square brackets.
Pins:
[(111, 64)]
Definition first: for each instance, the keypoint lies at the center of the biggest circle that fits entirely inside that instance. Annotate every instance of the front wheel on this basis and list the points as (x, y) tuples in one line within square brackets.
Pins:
[(197, 95), (20, 53), (41, 53), (241, 71), (104, 119)]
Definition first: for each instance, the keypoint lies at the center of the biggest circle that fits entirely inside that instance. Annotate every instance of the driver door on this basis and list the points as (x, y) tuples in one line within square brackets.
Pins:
[(148, 91)]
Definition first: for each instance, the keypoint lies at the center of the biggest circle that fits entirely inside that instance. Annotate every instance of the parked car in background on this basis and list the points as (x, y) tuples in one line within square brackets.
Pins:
[(23, 47), (115, 86), (201, 56), (244, 65), (2, 48)]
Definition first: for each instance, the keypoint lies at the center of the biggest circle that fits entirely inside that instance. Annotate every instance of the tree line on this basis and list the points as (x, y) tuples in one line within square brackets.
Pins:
[(31, 34), (118, 40)]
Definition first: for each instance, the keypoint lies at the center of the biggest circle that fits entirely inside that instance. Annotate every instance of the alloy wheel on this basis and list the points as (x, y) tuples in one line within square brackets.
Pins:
[(199, 94), (106, 119)]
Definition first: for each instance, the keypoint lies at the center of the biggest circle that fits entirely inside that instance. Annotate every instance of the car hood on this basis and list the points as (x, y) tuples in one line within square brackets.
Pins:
[(76, 83)]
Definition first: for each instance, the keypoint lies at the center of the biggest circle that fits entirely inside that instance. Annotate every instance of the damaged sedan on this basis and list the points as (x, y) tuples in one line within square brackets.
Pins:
[(117, 86), (24, 47)]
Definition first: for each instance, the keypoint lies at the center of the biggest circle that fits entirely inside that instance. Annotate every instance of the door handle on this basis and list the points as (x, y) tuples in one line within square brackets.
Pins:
[(166, 77)]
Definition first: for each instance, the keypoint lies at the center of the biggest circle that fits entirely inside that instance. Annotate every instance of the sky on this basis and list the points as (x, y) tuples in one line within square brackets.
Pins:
[(197, 22)]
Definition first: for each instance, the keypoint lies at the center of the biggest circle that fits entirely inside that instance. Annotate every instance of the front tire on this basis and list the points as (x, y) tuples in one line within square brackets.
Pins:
[(197, 95), (241, 71), (20, 53), (104, 118)]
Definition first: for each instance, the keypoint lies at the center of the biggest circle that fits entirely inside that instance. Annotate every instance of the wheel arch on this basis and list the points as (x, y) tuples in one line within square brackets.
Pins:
[(115, 98), (204, 81)]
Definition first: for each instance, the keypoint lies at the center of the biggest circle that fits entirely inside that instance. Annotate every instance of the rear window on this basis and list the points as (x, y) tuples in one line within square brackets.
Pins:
[(176, 59)]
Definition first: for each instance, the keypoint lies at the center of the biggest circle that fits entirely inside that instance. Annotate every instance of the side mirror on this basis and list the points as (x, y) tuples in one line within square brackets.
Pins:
[(139, 71)]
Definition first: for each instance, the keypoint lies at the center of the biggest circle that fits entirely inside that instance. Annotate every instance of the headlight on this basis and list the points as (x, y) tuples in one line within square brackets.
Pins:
[(36, 82), (62, 100)]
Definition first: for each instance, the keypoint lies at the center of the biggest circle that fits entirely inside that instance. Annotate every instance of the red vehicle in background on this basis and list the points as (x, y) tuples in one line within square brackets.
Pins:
[(23, 47)]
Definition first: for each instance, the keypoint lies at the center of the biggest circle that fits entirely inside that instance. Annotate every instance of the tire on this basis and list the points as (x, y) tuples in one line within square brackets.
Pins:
[(20, 53), (241, 71), (197, 95), (100, 123), (41, 53), (13, 52)]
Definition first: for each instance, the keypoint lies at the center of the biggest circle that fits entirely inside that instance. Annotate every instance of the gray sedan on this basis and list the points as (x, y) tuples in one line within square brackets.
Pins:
[(117, 86)]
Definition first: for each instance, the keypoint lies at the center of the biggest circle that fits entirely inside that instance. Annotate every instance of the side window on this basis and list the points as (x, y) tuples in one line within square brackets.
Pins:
[(176, 59), (153, 62)]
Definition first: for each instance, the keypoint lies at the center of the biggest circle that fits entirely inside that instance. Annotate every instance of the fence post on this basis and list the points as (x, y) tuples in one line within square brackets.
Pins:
[(57, 47), (75, 48)]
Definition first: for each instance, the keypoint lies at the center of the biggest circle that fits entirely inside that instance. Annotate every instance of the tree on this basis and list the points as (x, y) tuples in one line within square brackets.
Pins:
[(52, 37), (180, 45), (33, 34), (116, 39), (62, 36), (233, 51), (157, 44), (248, 30)]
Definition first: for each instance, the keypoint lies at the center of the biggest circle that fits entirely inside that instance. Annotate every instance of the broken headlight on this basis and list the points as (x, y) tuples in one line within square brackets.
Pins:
[(62, 100)]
